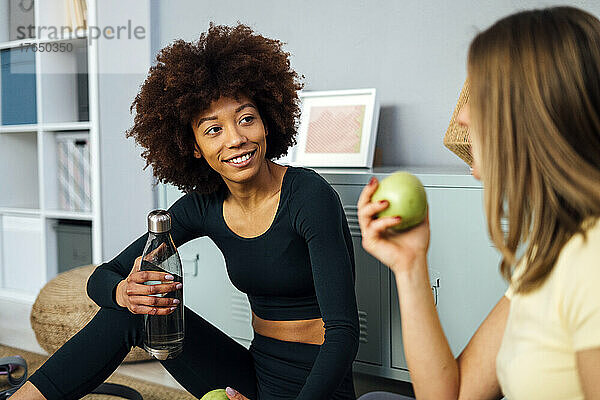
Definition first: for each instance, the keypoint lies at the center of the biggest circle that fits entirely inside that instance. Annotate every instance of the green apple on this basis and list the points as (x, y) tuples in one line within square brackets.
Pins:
[(406, 196), (217, 394)]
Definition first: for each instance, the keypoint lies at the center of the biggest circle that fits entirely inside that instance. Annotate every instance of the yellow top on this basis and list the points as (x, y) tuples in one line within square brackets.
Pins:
[(547, 327)]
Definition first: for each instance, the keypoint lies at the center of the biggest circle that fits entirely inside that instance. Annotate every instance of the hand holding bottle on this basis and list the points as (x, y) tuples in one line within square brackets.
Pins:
[(140, 298), (163, 333)]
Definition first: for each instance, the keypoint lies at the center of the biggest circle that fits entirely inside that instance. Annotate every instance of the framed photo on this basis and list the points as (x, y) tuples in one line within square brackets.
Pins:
[(337, 129)]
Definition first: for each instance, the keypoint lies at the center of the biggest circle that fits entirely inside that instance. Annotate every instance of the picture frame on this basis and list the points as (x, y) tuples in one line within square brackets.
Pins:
[(338, 128)]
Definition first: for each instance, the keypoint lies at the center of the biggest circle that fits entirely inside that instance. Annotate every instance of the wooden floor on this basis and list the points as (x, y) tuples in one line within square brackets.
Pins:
[(15, 331)]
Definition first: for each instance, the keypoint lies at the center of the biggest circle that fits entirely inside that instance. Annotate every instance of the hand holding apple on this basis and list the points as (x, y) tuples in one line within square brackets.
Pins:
[(406, 197), (398, 248)]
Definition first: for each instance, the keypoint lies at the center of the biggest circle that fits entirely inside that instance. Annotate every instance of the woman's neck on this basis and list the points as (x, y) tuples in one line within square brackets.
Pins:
[(250, 195)]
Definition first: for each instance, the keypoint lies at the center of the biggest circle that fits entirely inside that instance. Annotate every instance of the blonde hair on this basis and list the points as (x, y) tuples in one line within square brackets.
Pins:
[(535, 116)]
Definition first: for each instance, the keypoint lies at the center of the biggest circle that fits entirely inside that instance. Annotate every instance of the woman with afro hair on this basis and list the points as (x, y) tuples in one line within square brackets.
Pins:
[(211, 116)]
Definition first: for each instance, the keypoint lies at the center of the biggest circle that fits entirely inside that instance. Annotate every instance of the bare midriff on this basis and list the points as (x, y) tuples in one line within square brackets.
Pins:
[(310, 331)]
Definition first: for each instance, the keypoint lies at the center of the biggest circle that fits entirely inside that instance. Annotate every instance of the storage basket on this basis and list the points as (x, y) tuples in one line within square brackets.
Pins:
[(73, 158), (457, 137), (63, 307)]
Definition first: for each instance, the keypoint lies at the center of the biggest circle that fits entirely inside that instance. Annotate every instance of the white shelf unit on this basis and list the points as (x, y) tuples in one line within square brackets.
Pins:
[(29, 205)]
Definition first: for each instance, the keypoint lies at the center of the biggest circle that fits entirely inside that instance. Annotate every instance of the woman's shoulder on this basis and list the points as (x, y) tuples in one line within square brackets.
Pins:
[(578, 263), (577, 283), (305, 180), (579, 259), (194, 202), (309, 194), (585, 247)]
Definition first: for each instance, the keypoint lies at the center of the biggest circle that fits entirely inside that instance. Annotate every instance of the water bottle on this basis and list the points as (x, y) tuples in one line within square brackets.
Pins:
[(163, 336)]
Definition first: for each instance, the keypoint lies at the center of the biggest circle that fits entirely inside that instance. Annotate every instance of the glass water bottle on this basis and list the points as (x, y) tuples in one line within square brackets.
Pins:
[(163, 336)]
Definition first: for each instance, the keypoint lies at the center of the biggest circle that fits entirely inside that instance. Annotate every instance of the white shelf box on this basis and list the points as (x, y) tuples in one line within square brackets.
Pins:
[(19, 170), (51, 102), (21, 253), (64, 81), (67, 175), (16, 17)]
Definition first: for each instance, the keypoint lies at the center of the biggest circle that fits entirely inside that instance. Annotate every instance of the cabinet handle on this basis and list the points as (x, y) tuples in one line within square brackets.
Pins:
[(195, 261), (434, 288), (434, 281)]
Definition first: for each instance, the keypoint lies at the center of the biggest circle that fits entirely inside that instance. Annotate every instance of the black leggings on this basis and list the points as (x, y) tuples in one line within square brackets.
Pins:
[(270, 369)]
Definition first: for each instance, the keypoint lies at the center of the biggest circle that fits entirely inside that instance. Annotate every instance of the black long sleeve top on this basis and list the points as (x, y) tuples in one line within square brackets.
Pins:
[(302, 267)]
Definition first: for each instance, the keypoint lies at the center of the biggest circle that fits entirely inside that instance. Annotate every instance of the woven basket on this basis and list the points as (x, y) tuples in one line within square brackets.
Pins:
[(457, 137), (62, 308)]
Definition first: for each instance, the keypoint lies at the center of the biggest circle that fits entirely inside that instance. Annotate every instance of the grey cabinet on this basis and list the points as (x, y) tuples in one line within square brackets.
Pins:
[(369, 276)]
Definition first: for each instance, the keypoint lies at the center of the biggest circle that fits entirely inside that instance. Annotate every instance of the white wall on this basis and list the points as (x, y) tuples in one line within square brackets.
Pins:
[(127, 193)]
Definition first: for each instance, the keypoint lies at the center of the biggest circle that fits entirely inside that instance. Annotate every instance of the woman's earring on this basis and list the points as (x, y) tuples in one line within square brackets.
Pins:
[(197, 153)]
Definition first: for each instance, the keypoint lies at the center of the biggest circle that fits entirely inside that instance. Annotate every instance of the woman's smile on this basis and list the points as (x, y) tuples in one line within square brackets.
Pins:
[(241, 161)]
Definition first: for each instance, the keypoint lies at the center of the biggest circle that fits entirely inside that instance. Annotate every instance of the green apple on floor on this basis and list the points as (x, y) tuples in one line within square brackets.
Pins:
[(217, 394)]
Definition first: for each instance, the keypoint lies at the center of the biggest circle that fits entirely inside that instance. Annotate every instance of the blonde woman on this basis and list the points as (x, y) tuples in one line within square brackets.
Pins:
[(534, 118)]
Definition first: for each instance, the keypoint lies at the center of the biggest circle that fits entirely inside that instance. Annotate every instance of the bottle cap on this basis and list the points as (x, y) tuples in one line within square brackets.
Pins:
[(159, 221)]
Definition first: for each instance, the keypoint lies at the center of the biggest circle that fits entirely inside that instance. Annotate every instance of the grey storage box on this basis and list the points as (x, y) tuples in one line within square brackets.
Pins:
[(74, 244)]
